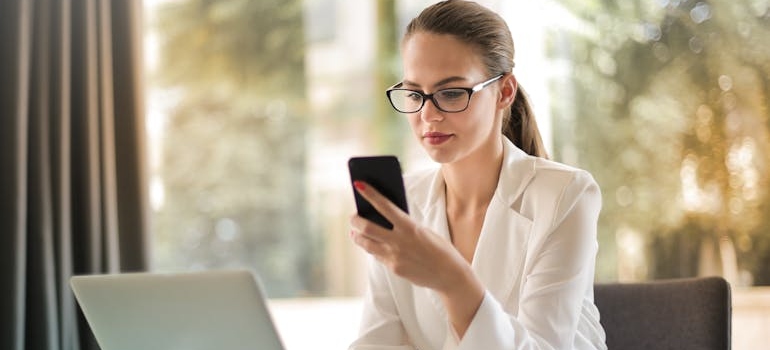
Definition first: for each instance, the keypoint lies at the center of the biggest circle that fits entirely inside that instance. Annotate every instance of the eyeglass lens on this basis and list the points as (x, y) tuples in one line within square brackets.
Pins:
[(448, 100)]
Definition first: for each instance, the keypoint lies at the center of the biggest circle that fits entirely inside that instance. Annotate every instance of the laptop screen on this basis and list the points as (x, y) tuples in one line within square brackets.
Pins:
[(219, 310)]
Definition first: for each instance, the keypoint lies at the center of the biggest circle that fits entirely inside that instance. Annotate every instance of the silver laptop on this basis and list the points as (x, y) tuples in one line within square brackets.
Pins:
[(221, 310)]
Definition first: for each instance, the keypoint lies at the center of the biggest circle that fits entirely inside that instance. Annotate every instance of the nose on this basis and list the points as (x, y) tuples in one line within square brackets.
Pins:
[(430, 113)]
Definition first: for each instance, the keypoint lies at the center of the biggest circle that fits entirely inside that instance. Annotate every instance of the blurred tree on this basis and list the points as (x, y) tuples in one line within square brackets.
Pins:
[(234, 154), (389, 129), (669, 111)]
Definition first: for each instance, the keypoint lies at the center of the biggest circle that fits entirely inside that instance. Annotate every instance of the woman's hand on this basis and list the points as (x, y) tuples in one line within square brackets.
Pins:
[(409, 250), (413, 252)]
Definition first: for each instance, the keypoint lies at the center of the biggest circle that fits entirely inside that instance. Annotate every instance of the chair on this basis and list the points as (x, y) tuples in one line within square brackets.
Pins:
[(677, 314)]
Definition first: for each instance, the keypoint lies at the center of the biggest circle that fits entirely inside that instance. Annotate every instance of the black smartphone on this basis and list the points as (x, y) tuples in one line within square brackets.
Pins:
[(384, 174)]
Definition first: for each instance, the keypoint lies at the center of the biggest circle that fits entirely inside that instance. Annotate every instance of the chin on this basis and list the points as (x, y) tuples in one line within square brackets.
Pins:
[(441, 156)]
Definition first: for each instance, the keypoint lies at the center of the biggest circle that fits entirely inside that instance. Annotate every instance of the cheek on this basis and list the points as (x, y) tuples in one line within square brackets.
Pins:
[(414, 123), (490, 115), (482, 118)]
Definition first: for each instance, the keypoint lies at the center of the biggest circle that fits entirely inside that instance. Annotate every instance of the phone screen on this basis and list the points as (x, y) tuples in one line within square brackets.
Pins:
[(384, 174)]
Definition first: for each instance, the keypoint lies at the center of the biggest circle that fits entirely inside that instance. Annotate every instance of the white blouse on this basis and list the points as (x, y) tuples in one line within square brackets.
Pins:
[(535, 256)]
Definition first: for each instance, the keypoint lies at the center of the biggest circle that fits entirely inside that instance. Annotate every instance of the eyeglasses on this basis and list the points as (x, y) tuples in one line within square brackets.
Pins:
[(452, 100)]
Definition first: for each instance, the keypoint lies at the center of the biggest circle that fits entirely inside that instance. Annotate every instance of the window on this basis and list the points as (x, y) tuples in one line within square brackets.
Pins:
[(255, 106), (665, 103)]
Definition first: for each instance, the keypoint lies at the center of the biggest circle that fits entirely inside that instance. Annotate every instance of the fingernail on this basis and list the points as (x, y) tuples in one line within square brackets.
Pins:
[(359, 185)]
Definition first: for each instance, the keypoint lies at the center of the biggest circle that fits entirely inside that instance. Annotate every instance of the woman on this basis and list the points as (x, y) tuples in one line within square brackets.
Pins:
[(499, 249)]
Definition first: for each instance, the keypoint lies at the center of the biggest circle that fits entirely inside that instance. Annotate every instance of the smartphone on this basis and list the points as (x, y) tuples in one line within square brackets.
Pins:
[(384, 174)]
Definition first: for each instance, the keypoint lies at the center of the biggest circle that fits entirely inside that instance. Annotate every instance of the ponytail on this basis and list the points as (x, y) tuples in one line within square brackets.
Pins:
[(521, 128)]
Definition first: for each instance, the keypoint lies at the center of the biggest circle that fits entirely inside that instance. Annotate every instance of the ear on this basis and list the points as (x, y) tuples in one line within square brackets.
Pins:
[(508, 88)]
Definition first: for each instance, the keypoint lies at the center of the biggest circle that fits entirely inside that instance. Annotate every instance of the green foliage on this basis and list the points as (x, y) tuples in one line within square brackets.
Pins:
[(240, 44), (669, 112), (234, 151), (389, 132)]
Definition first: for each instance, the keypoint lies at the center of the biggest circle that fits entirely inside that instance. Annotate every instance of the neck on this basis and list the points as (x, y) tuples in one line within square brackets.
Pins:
[(471, 182)]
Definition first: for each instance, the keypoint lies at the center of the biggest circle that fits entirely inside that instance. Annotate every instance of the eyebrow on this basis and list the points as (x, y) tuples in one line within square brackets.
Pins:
[(442, 82)]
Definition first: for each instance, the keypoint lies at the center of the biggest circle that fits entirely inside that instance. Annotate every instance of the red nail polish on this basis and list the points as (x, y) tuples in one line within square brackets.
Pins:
[(359, 185)]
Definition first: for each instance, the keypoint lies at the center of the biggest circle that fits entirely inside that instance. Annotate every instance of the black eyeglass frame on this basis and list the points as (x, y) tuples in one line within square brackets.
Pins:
[(426, 97)]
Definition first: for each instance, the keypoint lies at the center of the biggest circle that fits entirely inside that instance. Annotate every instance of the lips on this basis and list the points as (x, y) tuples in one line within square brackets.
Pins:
[(436, 138)]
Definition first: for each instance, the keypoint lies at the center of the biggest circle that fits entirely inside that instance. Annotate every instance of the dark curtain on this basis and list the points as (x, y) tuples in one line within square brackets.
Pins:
[(73, 194)]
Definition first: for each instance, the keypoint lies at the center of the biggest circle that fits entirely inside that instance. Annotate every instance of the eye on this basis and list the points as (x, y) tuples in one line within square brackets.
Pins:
[(413, 96), (452, 94)]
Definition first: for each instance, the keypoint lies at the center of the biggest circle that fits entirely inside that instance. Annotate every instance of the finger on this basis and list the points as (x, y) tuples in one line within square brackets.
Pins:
[(381, 203), (371, 246), (369, 229)]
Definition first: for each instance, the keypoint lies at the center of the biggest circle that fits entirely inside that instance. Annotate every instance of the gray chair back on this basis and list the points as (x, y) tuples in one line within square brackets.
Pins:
[(680, 314)]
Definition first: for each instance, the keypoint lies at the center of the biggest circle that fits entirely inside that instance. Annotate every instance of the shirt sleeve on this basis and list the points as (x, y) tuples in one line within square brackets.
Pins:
[(555, 286), (381, 327)]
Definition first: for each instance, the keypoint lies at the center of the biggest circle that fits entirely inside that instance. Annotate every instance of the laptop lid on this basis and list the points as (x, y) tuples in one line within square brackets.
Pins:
[(222, 310)]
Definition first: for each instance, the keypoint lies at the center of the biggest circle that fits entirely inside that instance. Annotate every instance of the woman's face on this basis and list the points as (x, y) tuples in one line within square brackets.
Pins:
[(433, 62)]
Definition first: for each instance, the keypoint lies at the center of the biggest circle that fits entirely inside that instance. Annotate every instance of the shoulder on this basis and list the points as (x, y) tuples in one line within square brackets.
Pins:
[(566, 188), (555, 173), (527, 175), (546, 190)]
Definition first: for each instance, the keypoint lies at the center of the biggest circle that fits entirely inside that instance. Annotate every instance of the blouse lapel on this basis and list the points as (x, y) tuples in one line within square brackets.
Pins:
[(502, 245)]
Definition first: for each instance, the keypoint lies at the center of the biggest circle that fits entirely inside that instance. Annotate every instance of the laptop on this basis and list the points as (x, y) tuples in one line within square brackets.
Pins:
[(221, 310)]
